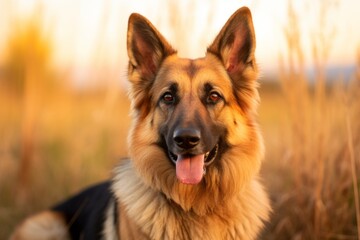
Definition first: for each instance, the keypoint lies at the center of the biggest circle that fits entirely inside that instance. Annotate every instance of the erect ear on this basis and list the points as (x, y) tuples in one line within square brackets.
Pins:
[(146, 48), (235, 44)]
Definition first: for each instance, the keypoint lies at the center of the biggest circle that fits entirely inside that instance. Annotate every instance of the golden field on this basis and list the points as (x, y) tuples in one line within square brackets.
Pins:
[(56, 139), (310, 168)]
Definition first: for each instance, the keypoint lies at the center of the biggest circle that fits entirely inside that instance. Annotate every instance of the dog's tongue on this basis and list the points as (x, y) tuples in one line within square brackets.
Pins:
[(190, 169)]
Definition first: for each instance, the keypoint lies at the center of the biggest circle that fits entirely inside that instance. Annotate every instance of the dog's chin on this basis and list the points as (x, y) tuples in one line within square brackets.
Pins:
[(190, 168)]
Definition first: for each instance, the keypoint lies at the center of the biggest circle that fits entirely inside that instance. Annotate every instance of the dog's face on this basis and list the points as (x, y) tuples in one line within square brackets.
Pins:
[(194, 131), (189, 101)]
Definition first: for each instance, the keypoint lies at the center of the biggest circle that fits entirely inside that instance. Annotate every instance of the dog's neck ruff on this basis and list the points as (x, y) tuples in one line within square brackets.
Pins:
[(159, 218)]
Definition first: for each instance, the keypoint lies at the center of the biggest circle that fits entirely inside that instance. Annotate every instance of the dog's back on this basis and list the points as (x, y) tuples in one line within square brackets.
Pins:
[(80, 217)]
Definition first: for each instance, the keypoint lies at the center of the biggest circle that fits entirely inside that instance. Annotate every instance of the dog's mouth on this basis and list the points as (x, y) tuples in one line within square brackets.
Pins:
[(190, 169), (209, 157)]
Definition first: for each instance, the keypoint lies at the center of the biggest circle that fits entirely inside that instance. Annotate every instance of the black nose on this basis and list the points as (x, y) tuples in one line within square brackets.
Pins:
[(186, 138)]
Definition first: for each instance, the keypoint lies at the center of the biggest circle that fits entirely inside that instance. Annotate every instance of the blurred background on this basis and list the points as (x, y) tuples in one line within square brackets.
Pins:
[(64, 111)]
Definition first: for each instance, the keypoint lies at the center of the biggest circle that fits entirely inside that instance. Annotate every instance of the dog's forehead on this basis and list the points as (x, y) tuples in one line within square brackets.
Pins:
[(185, 71)]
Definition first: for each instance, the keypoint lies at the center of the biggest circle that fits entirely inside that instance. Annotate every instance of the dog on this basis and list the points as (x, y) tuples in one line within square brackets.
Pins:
[(195, 148)]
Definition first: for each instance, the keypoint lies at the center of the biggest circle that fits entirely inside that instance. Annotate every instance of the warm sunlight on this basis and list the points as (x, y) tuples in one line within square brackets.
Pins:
[(84, 31), (65, 113)]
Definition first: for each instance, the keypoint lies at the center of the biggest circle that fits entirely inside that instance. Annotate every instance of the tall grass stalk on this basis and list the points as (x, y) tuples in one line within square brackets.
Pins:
[(320, 159), (27, 69), (353, 174), (355, 177)]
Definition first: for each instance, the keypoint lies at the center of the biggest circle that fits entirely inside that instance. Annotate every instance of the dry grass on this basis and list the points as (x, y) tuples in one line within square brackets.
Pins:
[(316, 160), (312, 135), (53, 139), (312, 168), (77, 140)]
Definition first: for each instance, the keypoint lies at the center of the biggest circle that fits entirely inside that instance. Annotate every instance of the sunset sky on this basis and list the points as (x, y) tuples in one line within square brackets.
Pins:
[(85, 30)]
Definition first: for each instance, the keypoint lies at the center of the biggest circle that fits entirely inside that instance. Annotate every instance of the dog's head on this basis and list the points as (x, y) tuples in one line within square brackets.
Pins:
[(194, 129)]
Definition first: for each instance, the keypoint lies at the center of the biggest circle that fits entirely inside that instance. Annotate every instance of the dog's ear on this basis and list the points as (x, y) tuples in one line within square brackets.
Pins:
[(235, 44), (146, 48), (235, 47)]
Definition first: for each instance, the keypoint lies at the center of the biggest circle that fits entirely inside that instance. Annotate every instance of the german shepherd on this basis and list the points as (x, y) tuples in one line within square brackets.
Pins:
[(195, 148)]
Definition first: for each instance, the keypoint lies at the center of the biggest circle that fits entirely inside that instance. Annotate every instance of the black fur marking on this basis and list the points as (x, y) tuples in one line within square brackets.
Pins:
[(162, 144), (174, 88), (207, 88), (85, 212), (191, 69)]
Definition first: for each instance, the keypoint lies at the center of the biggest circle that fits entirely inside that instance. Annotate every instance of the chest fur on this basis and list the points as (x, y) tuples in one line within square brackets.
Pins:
[(151, 215)]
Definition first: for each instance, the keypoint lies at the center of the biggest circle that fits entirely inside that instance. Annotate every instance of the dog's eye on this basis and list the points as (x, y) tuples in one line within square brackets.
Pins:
[(168, 98), (213, 97)]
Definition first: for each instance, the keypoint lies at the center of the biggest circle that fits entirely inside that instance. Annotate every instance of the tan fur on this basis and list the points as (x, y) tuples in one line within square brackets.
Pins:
[(229, 202), (158, 217), (109, 229), (43, 226)]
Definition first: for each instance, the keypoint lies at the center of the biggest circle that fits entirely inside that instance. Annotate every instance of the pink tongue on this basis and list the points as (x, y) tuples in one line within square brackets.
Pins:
[(189, 170)]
